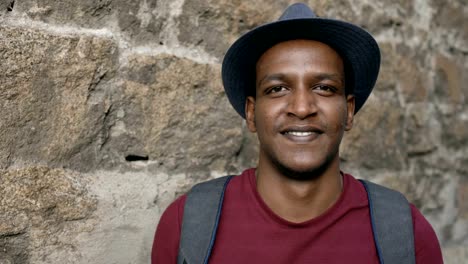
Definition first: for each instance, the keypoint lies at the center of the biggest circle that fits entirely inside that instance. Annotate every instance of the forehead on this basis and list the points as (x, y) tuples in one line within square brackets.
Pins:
[(300, 51)]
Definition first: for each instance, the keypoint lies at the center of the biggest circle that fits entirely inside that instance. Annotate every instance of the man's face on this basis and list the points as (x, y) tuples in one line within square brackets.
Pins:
[(300, 111)]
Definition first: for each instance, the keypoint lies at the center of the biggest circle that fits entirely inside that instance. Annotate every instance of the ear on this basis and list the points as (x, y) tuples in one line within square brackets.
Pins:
[(350, 102), (250, 114)]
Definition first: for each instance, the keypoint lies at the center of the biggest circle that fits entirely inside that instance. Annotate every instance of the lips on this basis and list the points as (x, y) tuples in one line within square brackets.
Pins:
[(301, 133), (297, 129)]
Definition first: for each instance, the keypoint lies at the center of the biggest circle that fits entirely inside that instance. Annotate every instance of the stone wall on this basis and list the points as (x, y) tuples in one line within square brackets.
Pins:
[(112, 108)]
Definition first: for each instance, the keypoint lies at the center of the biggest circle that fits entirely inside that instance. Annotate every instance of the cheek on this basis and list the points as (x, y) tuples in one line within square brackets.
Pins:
[(262, 122), (337, 118), (265, 114)]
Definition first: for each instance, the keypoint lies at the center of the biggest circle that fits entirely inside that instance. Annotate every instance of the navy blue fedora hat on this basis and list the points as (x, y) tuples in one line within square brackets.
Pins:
[(358, 49)]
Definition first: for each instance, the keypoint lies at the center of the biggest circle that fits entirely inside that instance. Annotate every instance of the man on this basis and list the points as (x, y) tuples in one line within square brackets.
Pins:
[(298, 83)]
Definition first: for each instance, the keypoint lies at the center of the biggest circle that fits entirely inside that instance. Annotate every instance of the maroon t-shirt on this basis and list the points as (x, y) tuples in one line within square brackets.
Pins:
[(249, 232)]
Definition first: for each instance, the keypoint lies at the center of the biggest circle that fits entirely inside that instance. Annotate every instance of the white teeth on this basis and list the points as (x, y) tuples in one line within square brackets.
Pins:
[(299, 134)]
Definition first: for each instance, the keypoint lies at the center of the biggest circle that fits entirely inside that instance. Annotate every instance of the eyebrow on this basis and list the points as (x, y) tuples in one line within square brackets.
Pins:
[(330, 76), (272, 77), (319, 76)]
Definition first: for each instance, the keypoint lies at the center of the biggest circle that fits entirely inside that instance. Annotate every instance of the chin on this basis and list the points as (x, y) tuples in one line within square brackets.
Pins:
[(300, 165), (302, 172)]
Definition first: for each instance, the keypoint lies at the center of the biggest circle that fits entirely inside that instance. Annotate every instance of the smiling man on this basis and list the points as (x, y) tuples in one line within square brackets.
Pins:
[(298, 83)]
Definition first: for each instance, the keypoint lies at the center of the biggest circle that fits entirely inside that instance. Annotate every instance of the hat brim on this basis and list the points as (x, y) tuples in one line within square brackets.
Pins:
[(358, 49)]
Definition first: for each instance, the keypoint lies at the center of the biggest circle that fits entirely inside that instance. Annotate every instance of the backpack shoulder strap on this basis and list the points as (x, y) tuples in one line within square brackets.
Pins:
[(200, 221), (392, 224)]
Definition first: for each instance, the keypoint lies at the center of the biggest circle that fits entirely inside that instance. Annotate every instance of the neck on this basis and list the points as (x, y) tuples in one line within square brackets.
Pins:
[(299, 200)]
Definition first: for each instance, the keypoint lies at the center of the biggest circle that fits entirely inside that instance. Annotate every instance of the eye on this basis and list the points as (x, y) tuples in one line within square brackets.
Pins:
[(276, 89), (324, 89)]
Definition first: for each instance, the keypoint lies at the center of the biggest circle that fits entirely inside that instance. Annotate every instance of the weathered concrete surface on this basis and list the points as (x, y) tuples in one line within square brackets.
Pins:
[(111, 109), (125, 217), (455, 255)]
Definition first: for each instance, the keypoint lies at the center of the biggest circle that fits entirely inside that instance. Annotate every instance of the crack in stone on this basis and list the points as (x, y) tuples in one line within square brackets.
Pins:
[(11, 6)]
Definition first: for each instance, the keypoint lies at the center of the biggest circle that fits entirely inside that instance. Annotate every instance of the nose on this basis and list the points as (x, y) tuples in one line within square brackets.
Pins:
[(302, 103)]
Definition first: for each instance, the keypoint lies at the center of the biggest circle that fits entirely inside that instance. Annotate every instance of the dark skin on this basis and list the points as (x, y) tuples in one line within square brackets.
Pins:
[(300, 113)]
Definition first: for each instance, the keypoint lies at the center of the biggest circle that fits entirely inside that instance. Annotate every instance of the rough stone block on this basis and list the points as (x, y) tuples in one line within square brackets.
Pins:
[(372, 16), (454, 130), (376, 139), (14, 249), (404, 69), (420, 129), (214, 24), (173, 112), (6, 7), (462, 197), (451, 21), (36, 205), (447, 83), (54, 97), (140, 21)]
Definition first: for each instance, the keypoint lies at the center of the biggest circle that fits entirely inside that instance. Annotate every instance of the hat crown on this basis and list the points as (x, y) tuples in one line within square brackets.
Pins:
[(358, 49), (296, 11)]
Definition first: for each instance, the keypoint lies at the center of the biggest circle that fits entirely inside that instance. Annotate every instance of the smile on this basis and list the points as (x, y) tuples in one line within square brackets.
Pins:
[(301, 130), (299, 134)]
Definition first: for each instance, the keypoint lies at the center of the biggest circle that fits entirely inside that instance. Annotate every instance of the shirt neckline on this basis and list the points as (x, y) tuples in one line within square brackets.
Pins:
[(282, 221)]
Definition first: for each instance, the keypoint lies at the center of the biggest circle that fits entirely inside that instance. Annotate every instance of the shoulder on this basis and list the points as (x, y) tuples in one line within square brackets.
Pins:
[(426, 244), (171, 218), (174, 212), (166, 240)]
